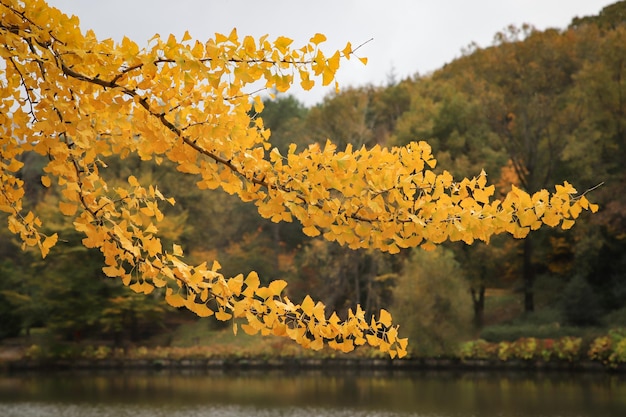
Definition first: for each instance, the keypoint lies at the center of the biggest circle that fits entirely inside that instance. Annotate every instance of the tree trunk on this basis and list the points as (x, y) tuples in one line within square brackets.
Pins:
[(529, 276), (478, 299)]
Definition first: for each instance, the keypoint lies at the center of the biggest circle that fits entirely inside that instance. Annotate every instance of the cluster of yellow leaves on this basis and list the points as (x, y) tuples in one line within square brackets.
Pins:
[(76, 100)]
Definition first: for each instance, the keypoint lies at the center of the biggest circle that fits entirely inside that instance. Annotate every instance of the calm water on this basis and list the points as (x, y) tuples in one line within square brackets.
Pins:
[(438, 394)]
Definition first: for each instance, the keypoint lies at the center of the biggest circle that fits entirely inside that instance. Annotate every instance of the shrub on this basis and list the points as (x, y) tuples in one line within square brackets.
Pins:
[(618, 355), (505, 351), (525, 348), (34, 352), (100, 352), (546, 349), (600, 349), (477, 349), (568, 348)]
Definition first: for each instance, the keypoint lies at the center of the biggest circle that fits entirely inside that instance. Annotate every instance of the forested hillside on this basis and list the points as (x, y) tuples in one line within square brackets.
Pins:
[(534, 109)]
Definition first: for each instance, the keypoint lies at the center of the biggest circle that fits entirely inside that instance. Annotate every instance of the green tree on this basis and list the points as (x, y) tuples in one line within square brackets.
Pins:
[(529, 74), (345, 117), (342, 277), (285, 117), (610, 17), (431, 296), (598, 154)]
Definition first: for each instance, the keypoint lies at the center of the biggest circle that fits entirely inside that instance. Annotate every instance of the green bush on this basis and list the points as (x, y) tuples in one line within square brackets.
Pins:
[(580, 303), (512, 332), (615, 318), (543, 324)]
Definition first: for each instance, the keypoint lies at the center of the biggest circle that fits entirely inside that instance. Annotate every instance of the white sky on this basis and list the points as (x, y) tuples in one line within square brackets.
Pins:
[(409, 37)]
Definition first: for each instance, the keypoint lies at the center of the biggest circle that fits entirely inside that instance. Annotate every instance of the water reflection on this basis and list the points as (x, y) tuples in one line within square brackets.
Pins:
[(439, 394)]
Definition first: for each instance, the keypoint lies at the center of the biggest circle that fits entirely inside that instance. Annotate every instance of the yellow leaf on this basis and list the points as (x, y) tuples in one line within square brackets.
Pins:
[(235, 284), (153, 246), (249, 329), (233, 36), (201, 309), (429, 246), (48, 242), (317, 344), (567, 224), (68, 209), (347, 51), (385, 317), (277, 286), (311, 231), (147, 288), (112, 271), (482, 196), (527, 217), (307, 305), (333, 62), (174, 299), (575, 210), (45, 180), (282, 43), (363, 60), (223, 316), (177, 250), (551, 218), (317, 39), (566, 188), (252, 283)]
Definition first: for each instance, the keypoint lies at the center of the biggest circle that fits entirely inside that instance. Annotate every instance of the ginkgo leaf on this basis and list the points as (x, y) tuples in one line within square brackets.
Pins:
[(177, 250), (567, 224), (112, 271), (48, 243), (174, 299), (68, 209), (385, 317), (307, 305), (277, 286), (223, 316), (318, 38)]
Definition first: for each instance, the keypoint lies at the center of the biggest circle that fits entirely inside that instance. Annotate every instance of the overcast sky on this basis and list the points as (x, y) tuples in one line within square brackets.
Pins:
[(409, 37)]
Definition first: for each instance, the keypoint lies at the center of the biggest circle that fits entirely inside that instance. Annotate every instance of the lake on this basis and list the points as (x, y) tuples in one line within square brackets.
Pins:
[(308, 394)]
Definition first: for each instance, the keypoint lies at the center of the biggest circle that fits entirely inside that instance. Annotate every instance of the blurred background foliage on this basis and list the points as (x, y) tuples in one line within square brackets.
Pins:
[(533, 109)]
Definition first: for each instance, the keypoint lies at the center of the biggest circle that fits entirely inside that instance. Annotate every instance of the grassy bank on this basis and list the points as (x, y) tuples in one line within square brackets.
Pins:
[(194, 344)]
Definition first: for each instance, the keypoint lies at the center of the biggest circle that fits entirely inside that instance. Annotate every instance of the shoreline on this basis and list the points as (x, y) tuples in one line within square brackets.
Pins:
[(306, 364)]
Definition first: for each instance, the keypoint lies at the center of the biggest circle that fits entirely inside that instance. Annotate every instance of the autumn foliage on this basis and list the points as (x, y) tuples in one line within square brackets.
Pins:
[(77, 100)]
